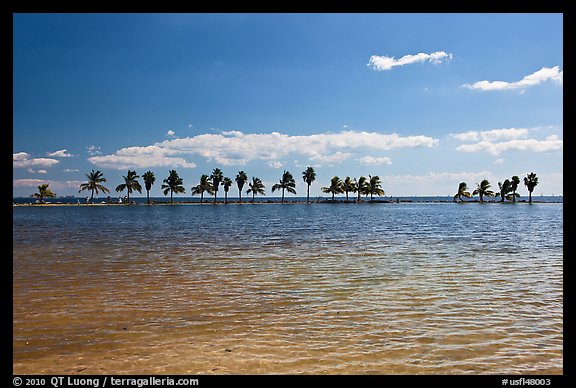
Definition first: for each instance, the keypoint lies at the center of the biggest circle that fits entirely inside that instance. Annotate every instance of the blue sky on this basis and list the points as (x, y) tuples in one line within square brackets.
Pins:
[(424, 101)]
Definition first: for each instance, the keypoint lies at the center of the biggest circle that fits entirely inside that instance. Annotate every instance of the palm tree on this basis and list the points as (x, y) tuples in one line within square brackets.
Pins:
[(462, 191), (334, 188), (149, 180), (374, 186), (505, 188), (93, 184), (361, 187), (286, 183), (241, 179), (348, 186), (130, 183), (256, 187), (482, 190), (205, 185), (216, 178), (309, 176), (173, 184), (530, 181), (515, 183), (226, 183), (44, 192)]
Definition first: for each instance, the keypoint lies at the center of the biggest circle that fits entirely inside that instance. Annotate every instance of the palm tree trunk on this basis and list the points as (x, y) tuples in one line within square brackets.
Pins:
[(308, 195), (514, 196), (282, 194), (225, 197), (171, 197), (240, 195), (201, 196), (332, 196), (148, 197), (529, 196), (92, 196), (346, 196), (253, 197)]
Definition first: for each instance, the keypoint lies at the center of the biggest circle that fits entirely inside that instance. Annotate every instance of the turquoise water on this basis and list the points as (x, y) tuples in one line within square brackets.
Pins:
[(320, 288)]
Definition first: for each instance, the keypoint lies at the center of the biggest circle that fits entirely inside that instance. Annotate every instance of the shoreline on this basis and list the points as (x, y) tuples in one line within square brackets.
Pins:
[(278, 202)]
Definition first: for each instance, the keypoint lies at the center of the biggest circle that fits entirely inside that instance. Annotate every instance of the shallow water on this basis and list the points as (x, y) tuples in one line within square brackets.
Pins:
[(408, 288)]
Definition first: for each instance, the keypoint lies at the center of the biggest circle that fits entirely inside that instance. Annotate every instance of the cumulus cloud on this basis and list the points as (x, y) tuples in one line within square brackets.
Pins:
[(238, 148), (497, 141), (551, 143), (553, 74), (381, 63), (492, 135), (93, 150), (373, 161), (71, 170), (60, 154), (499, 161), (170, 133), (23, 160), (132, 157)]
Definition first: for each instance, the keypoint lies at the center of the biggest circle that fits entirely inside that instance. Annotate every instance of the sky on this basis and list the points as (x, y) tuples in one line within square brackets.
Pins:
[(424, 101)]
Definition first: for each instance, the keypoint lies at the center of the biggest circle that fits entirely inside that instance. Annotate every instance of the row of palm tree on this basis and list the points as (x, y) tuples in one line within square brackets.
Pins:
[(360, 186), (210, 184), (507, 189)]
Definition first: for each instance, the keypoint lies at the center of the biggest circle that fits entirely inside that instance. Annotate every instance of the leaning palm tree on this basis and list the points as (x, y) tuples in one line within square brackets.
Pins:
[(44, 192), (530, 181), (309, 176), (149, 180), (348, 186), (515, 182), (505, 189), (216, 178), (226, 183), (374, 186), (462, 191), (256, 187), (334, 188), (130, 184), (241, 179), (205, 185), (93, 184), (482, 190), (173, 184), (286, 183), (362, 187)]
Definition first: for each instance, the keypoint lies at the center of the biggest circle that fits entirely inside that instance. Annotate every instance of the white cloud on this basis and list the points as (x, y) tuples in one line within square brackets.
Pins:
[(55, 185), (544, 74), (42, 172), (497, 141), (71, 170), (22, 160), (275, 164), (170, 133), (374, 161), (133, 157), (499, 161), (492, 135), (532, 145), (60, 154), (93, 150), (381, 63), (237, 148)]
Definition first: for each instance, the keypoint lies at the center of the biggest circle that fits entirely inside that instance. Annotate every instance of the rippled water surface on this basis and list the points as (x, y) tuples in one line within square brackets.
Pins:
[(420, 288)]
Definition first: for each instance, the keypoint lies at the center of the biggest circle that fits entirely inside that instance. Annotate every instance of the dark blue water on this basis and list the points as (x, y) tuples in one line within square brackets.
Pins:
[(296, 288)]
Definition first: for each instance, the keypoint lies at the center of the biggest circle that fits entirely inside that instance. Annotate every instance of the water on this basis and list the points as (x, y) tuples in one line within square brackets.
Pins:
[(400, 288)]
